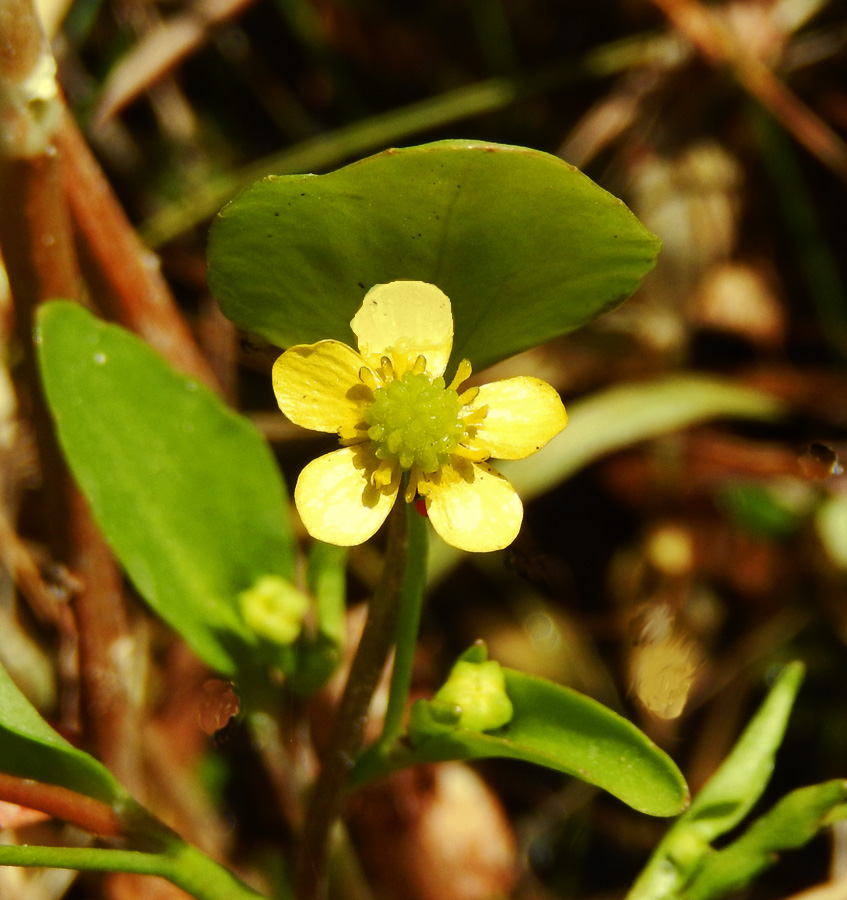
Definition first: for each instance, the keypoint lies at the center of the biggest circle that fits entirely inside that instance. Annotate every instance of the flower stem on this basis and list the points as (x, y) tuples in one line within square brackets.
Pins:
[(368, 664), (408, 625)]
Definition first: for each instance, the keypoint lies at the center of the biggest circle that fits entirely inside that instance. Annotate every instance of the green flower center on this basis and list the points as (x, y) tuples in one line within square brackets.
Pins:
[(416, 421)]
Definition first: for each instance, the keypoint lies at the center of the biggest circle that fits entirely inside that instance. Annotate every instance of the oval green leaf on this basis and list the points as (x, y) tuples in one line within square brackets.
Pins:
[(525, 246), (29, 748), (186, 492), (559, 728)]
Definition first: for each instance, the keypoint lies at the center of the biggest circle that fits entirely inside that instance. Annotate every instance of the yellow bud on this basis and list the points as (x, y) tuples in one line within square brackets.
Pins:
[(274, 609), (479, 691)]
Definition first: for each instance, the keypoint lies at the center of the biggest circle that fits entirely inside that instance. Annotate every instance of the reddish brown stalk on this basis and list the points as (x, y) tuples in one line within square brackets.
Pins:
[(109, 715), (16, 558), (700, 26), (37, 245), (123, 275), (89, 814)]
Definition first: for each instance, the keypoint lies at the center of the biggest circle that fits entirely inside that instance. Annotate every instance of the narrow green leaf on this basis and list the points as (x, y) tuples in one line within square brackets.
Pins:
[(30, 748), (556, 727), (791, 824), (525, 246), (625, 414), (726, 798), (615, 418), (186, 491), (731, 792)]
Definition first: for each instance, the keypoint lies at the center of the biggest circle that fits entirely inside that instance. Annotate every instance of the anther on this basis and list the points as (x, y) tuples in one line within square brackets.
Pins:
[(469, 453), (477, 416), (368, 378), (463, 373), (468, 396)]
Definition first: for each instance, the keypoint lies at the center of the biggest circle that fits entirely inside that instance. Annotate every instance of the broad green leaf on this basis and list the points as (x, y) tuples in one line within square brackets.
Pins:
[(791, 824), (29, 748), (556, 727), (186, 492), (525, 246), (726, 798)]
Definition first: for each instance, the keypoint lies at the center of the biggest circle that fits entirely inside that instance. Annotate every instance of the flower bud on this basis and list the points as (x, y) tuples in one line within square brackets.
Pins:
[(478, 689), (274, 609)]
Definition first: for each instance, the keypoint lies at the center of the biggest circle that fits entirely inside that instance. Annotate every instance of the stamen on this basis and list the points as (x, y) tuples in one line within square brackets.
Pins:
[(424, 486), (420, 366), (367, 377), (353, 441), (475, 455), (475, 417), (468, 396), (463, 373), (412, 487), (387, 367), (383, 474)]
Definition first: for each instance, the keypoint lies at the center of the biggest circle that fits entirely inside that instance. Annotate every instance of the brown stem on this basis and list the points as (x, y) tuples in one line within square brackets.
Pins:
[(368, 665), (35, 236), (123, 274), (702, 28), (109, 715), (86, 812), (38, 247)]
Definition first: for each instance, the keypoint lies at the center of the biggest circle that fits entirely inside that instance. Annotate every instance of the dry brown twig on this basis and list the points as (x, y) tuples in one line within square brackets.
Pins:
[(716, 43)]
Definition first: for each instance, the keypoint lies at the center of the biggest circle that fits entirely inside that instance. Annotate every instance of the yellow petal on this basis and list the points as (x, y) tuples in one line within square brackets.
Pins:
[(336, 501), (318, 386), (404, 320), (478, 512), (523, 414)]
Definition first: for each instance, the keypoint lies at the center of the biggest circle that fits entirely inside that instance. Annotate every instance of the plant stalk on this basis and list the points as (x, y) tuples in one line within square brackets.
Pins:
[(368, 665)]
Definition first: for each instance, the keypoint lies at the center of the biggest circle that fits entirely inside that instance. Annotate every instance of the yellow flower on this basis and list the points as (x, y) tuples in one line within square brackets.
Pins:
[(394, 414)]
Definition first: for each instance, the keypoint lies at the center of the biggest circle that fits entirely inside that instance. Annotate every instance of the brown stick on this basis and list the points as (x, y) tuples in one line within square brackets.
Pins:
[(700, 26), (123, 274), (110, 717), (37, 244), (86, 812)]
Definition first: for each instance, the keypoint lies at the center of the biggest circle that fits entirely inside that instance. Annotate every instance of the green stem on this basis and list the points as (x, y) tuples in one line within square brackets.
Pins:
[(183, 865), (408, 625), (368, 664)]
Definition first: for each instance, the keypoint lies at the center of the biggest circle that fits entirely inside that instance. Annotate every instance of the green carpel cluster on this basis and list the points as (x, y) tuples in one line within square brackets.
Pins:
[(416, 421)]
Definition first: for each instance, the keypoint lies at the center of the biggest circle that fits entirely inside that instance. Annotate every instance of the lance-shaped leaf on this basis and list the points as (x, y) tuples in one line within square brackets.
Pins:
[(186, 492), (725, 799), (791, 824), (525, 246)]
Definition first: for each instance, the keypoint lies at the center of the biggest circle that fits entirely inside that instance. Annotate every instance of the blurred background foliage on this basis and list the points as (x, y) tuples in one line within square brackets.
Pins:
[(695, 546)]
